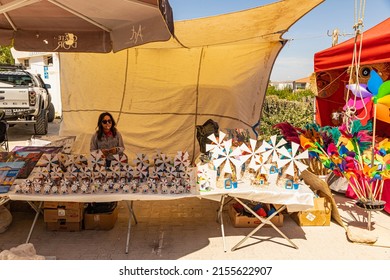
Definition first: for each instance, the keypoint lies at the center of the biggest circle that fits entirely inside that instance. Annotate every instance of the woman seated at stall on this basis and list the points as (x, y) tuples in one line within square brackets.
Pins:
[(107, 138)]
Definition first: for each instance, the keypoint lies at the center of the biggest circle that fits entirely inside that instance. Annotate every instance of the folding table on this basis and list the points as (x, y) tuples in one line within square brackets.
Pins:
[(88, 198), (290, 199), (293, 200)]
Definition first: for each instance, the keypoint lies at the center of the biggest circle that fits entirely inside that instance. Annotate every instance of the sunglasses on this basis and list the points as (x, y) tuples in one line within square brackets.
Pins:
[(106, 121)]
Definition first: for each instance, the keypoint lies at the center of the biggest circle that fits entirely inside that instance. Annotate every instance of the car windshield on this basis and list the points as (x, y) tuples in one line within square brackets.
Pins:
[(16, 79)]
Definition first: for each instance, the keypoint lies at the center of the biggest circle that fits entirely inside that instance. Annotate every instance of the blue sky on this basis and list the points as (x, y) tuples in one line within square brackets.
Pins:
[(308, 35)]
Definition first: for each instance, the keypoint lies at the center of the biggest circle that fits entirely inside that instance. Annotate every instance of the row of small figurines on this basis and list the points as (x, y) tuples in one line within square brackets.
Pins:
[(86, 186), (117, 172)]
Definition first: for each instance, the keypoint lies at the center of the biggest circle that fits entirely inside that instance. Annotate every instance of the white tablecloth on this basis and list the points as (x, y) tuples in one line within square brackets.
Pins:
[(295, 200)]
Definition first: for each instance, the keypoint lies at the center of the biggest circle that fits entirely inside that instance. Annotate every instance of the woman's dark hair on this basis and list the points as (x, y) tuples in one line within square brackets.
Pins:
[(100, 125)]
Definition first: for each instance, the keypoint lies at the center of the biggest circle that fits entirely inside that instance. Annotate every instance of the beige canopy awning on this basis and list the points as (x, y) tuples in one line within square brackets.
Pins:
[(83, 26), (218, 68)]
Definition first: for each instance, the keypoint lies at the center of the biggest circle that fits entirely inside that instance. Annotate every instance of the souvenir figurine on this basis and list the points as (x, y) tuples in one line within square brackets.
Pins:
[(116, 187), (18, 188), (54, 189), (37, 188), (172, 189), (134, 185), (176, 182), (151, 183), (180, 189), (145, 188), (126, 188), (153, 189), (93, 187), (187, 185), (84, 187), (75, 186), (26, 188), (105, 187), (46, 188), (63, 188)]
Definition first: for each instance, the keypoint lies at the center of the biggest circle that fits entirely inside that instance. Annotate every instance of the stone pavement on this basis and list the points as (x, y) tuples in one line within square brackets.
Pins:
[(187, 229)]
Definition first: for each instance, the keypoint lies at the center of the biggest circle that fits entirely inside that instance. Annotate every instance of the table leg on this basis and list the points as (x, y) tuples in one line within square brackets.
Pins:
[(38, 211), (131, 214), (3, 200), (220, 220), (263, 222)]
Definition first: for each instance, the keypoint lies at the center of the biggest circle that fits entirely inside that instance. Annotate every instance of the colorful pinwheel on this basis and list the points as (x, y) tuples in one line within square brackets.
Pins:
[(119, 160), (96, 159), (162, 162), (49, 160), (181, 161), (250, 153), (228, 156), (267, 149), (375, 93), (292, 159), (216, 145)]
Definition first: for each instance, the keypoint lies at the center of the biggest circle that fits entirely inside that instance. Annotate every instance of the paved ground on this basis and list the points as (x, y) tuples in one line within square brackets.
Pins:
[(186, 229)]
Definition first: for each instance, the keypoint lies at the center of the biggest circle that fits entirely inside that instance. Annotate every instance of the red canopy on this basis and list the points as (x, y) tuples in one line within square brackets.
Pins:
[(332, 75), (375, 49)]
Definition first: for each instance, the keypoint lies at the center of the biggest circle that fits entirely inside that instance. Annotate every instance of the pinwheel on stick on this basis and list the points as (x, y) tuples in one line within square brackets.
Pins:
[(143, 171), (96, 159), (228, 157), (171, 172), (272, 148), (119, 160), (181, 161), (293, 160), (216, 145), (117, 172), (262, 165), (154, 173), (162, 162), (250, 153), (49, 160), (81, 161)]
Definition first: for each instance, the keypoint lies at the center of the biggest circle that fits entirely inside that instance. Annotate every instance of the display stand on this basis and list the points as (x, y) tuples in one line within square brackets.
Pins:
[(264, 221), (293, 200), (38, 210), (369, 207)]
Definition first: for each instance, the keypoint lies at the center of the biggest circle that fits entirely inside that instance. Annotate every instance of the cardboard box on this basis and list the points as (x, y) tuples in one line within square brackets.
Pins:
[(243, 221), (319, 215), (101, 221), (63, 225), (60, 204), (69, 215)]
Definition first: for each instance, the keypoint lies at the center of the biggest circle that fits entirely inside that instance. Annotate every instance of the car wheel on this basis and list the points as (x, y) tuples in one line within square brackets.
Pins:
[(40, 126), (51, 113)]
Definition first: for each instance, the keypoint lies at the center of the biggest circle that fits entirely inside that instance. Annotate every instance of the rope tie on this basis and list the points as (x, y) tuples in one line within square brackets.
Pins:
[(350, 111)]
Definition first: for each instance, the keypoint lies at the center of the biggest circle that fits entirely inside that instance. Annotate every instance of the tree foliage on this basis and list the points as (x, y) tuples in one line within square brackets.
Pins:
[(6, 55), (289, 94), (277, 109)]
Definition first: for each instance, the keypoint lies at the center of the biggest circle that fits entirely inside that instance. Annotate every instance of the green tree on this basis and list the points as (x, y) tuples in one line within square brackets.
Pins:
[(6, 56)]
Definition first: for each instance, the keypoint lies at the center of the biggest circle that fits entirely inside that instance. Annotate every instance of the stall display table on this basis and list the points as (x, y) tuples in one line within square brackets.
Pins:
[(292, 200)]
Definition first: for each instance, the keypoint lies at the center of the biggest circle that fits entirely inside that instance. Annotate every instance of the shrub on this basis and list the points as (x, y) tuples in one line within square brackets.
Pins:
[(277, 110)]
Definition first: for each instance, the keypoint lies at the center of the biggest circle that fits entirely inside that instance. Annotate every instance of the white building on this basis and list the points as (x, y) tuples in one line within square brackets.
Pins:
[(301, 84), (48, 65)]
